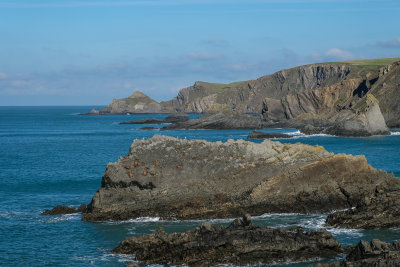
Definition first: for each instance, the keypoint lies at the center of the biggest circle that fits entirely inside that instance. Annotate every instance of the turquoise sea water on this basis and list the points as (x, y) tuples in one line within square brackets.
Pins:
[(51, 156)]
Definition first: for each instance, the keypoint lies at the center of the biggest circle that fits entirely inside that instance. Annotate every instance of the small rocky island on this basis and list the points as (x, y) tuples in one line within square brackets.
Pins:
[(191, 179)]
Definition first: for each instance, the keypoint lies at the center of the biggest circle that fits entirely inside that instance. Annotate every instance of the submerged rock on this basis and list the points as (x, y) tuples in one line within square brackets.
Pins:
[(177, 178), (381, 210), (239, 243), (371, 254), (261, 135)]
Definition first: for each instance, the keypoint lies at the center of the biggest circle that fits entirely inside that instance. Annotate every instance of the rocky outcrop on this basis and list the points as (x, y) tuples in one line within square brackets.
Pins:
[(221, 120), (174, 178), (173, 118), (371, 254), (144, 121), (59, 210), (239, 243), (136, 103), (379, 210), (261, 135)]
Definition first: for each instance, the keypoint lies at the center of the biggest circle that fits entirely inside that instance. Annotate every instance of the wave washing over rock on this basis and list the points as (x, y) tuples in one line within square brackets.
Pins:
[(175, 178)]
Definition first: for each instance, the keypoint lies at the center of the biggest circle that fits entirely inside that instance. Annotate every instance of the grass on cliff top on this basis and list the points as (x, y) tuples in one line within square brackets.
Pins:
[(216, 88), (372, 62)]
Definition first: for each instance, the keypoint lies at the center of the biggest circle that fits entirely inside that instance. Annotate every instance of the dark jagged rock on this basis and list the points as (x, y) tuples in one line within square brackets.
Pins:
[(185, 179), (148, 128), (239, 243), (173, 118), (380, 210), (261, 135), (371, 254), (58, 210), (222, 120), (144, 121)]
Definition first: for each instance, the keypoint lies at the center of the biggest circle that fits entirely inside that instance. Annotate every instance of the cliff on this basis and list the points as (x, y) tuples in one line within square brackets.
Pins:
[(185, 179)]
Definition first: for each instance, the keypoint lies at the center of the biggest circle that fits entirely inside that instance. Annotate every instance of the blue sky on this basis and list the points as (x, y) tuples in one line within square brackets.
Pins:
[(61, 52)]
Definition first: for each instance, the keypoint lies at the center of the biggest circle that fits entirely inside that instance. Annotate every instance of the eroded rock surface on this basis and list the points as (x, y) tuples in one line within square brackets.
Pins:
[(177, 178), (239, 243)]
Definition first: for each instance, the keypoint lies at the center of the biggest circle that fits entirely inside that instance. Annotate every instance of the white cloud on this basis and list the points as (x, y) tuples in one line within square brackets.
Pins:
[(339, 54), (391, 43), (3, 75)]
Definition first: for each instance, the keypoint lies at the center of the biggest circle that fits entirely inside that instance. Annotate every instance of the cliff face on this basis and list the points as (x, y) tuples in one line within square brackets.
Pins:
[(173, 178), (317, 91), (387, 91)]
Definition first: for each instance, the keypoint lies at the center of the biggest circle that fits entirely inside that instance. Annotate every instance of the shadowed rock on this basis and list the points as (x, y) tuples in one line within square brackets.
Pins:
[(239, 243), (177, 178)]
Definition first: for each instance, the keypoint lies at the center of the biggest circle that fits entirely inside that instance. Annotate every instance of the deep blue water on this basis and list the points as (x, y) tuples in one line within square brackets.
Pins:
[(51, 156)]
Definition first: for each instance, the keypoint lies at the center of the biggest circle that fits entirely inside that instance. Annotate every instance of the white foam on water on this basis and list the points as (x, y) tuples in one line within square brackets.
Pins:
[(295, 133), (62, 218), (394, 133)]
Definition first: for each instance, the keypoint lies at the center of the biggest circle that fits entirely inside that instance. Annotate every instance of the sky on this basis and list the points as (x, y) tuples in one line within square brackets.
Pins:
[(87, 52)]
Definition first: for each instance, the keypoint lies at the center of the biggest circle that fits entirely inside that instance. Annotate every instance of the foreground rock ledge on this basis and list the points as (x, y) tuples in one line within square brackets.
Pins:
[(186, 179), (239, 243)]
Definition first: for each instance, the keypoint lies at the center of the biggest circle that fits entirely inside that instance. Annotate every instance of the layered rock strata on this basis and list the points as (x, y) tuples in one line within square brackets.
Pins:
[(184, 179), (239, 243)]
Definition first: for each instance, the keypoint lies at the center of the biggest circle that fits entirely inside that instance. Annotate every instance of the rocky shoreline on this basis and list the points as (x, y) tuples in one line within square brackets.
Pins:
[(240, 243)]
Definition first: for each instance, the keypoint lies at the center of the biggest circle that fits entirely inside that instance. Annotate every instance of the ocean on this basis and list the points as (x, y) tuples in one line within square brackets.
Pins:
[(51, 156)]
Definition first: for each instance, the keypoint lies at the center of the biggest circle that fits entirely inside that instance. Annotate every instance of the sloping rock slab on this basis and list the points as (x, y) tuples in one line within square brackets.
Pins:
[(189, 179), (239, 243)]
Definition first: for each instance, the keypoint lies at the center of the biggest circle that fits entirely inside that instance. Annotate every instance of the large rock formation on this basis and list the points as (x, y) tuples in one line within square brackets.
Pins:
[(239, 243), (173, 178), (136, 103), (379, 210), (371, 254)]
